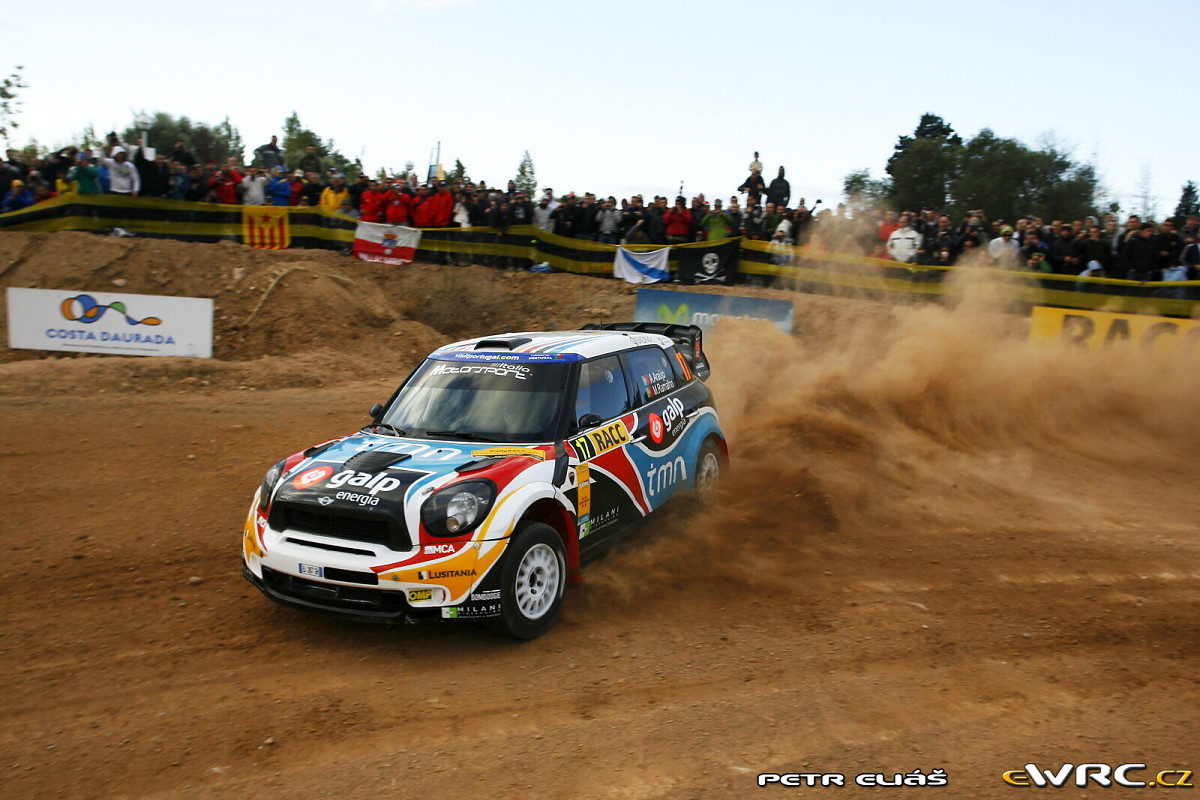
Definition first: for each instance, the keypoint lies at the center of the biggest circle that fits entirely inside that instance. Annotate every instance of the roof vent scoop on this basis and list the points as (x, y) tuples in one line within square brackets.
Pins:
[(502, 344)]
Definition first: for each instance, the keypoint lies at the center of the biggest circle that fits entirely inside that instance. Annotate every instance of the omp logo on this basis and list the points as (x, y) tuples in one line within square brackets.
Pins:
[(84, 308), (601, 440), (680, 316), (1100, 774), (310, 476), (417, 595)]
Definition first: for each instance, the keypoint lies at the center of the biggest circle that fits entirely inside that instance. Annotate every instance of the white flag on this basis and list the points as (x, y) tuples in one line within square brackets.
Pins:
[(649, 267), (387, 244)]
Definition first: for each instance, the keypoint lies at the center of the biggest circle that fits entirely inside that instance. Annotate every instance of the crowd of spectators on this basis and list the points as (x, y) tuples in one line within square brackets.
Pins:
[(1139, 250)]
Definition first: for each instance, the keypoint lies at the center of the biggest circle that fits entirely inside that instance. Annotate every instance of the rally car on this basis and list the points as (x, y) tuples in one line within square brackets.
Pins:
[(496, 468)]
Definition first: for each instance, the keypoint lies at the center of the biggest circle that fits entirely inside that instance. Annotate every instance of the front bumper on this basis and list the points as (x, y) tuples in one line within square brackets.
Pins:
[(359, 603)]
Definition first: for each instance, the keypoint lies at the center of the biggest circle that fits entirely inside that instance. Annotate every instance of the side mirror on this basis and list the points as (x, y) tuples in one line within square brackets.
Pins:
[(376, 410), (589, 421)]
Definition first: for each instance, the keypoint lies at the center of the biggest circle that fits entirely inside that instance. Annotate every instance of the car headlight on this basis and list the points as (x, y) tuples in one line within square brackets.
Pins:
[(268, 486), (458, 509)]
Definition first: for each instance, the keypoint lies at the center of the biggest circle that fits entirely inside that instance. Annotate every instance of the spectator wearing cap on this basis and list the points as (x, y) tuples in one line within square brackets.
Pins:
[(311, 191), (280, 187), (564, 217), (17, 197), (1004, 249), (333, 194), (716, 223), (520, 212), (357, 188)]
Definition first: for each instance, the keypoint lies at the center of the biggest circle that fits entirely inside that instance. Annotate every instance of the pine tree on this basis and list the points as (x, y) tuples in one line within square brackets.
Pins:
[(9, 102), (1189, 203), (526, 179)]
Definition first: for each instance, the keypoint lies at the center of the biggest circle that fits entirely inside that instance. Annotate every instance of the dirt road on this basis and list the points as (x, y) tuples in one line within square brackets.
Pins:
[(941, 549)]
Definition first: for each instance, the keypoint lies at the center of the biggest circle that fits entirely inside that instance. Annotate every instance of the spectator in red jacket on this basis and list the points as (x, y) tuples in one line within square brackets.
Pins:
[(397, 205), (679, 223), (370, 202), (225, 183), (423, 208)]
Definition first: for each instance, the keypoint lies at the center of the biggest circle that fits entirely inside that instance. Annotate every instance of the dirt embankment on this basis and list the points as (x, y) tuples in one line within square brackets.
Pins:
[(940, 547)]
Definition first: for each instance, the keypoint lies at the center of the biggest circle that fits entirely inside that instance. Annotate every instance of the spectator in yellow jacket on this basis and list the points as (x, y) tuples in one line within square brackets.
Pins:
[(334, 194)]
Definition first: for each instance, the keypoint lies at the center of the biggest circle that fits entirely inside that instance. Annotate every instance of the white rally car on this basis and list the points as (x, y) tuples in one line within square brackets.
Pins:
[(490, 475)]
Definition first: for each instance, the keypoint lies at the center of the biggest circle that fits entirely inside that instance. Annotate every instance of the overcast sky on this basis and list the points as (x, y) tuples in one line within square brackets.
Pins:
[(620, 97)]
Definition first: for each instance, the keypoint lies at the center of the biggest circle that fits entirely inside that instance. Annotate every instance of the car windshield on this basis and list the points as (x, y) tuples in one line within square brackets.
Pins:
[(480, 401)]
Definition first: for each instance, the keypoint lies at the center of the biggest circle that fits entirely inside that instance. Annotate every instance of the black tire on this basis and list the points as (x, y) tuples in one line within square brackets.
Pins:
[(709, 468), (532, 583)]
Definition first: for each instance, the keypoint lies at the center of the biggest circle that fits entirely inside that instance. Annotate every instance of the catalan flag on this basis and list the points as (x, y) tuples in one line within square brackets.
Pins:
[(266, 227)]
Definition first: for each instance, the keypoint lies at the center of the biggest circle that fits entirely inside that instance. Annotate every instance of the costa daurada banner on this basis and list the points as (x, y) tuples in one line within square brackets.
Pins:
[(117, 323)]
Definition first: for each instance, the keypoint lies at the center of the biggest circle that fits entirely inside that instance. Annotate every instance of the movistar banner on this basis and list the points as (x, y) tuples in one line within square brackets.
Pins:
[(694, 308)]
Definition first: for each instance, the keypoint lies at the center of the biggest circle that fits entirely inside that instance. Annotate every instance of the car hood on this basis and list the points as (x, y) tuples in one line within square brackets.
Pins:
[(375, 473)]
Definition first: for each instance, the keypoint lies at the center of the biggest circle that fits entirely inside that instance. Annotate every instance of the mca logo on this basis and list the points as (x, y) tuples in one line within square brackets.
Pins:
[(84, 308), (679, 317)]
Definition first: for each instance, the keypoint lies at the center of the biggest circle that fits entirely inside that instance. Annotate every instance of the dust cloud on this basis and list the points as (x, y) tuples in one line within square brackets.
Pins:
[(910, 420)]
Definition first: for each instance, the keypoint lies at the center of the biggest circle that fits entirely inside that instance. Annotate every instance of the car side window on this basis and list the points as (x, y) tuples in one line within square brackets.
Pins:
[(601, 390), (652, 375)]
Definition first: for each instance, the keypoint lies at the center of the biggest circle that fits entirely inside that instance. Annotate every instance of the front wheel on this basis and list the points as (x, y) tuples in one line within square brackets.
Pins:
[(533, 581)]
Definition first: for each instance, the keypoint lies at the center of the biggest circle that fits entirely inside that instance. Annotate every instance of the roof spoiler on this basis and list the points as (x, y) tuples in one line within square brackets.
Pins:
[(689, 340)]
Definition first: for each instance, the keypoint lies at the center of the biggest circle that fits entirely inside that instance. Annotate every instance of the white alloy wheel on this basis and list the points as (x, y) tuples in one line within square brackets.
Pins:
[(538, 581)]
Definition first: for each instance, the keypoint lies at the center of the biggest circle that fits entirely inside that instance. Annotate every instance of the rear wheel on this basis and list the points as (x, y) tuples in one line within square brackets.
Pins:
[(533, 581), (708, 474)]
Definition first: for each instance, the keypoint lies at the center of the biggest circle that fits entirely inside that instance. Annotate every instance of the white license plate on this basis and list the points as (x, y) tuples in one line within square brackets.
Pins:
[(312, 569)]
